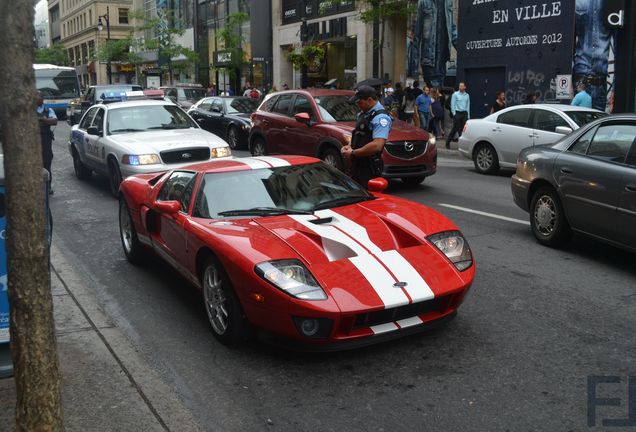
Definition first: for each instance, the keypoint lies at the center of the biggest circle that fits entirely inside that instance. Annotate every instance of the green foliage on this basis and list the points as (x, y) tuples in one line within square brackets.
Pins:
[(309, 55), (231, 39), (381, 10), (55, 54), (117, 50)]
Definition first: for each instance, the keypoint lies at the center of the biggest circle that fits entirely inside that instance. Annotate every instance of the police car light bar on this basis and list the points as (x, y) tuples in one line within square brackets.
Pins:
[(109, 97)]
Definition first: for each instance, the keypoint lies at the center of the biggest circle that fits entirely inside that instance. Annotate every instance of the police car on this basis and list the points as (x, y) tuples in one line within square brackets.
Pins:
[(128, 134)]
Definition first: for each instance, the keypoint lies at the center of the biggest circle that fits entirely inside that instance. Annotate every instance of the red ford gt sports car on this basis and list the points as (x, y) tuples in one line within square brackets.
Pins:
[(295, 248)]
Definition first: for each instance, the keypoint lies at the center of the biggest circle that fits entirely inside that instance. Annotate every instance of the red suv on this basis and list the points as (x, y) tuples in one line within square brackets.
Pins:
[(318, 122)]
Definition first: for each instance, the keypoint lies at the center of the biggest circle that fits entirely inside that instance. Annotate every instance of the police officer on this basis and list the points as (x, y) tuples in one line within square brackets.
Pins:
[(46, 119), (368, 138)]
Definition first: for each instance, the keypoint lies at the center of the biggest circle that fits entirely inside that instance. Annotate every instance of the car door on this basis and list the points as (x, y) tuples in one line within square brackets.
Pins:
[(590, 176), (200, 112), (94, 143), (277, 121), (79, 136), (216, 117), (300, 138), (627, 199), (512, 133), (169, 240), (545, 123)]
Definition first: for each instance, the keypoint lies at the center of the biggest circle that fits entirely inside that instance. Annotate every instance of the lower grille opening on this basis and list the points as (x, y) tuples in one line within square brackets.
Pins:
[(439, 304)]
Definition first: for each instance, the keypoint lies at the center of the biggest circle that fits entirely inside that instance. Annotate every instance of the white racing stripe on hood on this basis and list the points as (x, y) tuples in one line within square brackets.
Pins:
[(254, 164), (409, 322), (417, 287), (381, 281), (273, 161), (355, 230)]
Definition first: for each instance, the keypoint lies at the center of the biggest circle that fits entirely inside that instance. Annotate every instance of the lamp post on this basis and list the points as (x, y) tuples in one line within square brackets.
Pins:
[(100, 27)]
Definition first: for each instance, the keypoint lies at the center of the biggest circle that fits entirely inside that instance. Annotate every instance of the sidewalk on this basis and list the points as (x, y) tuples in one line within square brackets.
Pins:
[(106, 384)]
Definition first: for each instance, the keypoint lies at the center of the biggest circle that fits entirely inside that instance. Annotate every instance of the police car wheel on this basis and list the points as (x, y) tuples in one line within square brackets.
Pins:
[(114, 178), (82, 172), (332, 157)]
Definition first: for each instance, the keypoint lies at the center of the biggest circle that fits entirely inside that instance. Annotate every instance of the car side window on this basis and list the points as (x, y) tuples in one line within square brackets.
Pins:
[(302, 105), (205, 105), (178, 188), (548, 121), (518, 117), (581, 145), (87, 119), (98, 120), (282, 105), (268, 103), (217, 105), (612, 142)]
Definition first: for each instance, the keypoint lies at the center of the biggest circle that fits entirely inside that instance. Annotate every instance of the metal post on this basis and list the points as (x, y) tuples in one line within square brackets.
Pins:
[(304, 36), (99, 28)]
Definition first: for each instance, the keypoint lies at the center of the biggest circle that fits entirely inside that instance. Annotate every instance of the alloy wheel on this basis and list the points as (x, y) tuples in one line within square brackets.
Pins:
[(215, 300), (232, 138), (545, 215), (484, 159)]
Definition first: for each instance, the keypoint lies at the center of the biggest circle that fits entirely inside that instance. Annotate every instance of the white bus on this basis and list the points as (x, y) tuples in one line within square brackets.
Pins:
[(59, 85)]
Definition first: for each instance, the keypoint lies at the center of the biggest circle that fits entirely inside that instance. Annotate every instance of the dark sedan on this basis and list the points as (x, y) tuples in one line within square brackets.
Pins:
[(226, 116), (585, 183)]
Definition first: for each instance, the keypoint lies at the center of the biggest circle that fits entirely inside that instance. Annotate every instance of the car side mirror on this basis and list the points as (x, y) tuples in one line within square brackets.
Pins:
[(93, 130), (377, 184), (216, 109), (303, 117), (168, 207), (564, 130)]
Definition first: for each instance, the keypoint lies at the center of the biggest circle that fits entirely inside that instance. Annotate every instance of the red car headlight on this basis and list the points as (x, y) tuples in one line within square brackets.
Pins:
[(292, 277), (455, 247)]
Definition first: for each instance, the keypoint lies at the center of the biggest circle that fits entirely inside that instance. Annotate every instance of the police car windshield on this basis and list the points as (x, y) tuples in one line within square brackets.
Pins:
[(148, 117), (336, 109)]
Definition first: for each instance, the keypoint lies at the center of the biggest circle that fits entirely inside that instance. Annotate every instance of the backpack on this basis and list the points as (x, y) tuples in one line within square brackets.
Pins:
[(254, 94)]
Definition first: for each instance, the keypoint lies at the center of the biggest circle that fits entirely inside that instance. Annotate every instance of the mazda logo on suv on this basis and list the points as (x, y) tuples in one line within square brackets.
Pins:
[(186, 155), (408, 146)]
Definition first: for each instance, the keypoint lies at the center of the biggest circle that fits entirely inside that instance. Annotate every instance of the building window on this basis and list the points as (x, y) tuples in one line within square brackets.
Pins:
[(123, 16), (90, 17)]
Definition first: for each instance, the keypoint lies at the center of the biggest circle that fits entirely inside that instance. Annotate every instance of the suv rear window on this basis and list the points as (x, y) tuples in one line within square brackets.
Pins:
[(268, 103)]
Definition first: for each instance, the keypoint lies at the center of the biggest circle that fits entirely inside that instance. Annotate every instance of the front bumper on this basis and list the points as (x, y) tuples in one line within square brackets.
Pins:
[(520, 188)]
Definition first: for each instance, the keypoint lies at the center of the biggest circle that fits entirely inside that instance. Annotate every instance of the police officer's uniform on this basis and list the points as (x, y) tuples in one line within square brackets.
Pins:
[(375, 123)]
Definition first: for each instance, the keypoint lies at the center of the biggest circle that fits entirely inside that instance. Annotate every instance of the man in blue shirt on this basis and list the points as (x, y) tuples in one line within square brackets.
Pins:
[(460, 111), (423, 102), (368, 138), (582, 98), (46, 119)]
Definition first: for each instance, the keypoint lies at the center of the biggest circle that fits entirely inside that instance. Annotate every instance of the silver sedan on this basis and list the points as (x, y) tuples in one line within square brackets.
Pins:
[(495, 141)]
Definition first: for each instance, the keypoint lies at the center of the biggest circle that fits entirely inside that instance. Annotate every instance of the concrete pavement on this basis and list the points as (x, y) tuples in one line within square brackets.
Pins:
[(106, 384)]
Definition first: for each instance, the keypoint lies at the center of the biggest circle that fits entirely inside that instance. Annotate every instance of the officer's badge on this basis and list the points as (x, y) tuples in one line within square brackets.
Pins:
[(362, 126), (384, 122)]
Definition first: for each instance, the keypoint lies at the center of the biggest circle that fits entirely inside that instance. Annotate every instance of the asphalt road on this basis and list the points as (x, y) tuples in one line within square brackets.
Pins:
[(537, 323)]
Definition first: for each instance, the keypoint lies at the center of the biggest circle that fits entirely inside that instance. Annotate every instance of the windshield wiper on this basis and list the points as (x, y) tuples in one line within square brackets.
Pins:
[(127, 130), (342, 201), (262, 211)]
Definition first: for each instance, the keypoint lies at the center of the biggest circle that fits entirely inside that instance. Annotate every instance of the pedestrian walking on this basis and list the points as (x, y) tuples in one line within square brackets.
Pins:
[(46, 119), (437, 112), (367, 142), (423, 103), (530, 98), (399, 97), (460, 110), (582, 97), (410, 110), (499, 103)]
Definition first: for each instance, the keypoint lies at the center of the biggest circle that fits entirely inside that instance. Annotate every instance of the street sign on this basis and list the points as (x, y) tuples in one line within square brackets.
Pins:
[(564, 86)]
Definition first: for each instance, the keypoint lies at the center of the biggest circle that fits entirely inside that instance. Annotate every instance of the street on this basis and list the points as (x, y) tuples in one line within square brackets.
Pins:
[(537, 323)]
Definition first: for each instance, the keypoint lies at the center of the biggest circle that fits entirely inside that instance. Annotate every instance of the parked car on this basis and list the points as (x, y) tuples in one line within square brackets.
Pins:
[(584, 183), (120, 139), (296, 248), (184, 94), (97, 94), (227, 117), (318, 122), (495, 141)]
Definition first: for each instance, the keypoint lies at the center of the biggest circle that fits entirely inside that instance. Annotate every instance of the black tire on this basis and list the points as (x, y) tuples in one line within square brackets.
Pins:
[(412, 181), (485, 159), (332, 157), (114, 177), (128, 235), (258, 147), (222, 306), (547, 218), (82, 172), (233, 137)]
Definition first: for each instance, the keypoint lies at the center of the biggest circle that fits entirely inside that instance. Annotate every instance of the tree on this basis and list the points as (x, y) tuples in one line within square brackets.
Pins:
[(231, 39), (33, 344), (55, 54)]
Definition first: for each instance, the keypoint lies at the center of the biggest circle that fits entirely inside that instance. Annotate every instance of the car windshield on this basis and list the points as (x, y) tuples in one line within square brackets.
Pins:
[(584, 117), (148, 117), (336, 108), (191, 94), (241, 105), (274, 191), (55, 84)]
